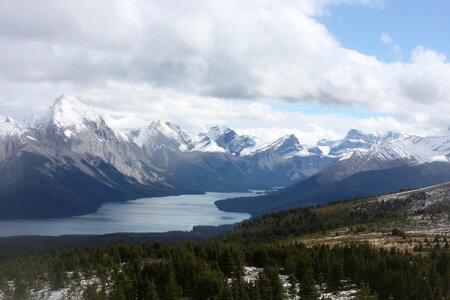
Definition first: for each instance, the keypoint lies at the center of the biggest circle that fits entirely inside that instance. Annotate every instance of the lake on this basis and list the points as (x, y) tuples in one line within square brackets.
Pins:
[(158, 214)]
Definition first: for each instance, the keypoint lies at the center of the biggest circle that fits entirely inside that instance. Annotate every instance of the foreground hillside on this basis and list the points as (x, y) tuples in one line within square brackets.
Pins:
[(325, 251), (413, 218)]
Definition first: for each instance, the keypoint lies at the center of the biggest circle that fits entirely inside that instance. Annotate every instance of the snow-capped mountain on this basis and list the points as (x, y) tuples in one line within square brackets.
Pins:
[(12, 137), (231, 142), (9, 128), (387, 151), (71, 124), (70, 116), (285, 158), (355, 140), (165, 134), (287, 146), (413, 149), (203, 143), (70, 162), (217, 139)]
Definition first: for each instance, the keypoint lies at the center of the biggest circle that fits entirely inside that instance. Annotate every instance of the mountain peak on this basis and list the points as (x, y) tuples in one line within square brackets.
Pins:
[(217, 131), (289, 138), (167, 129), (69, 112), (164, 133), (354, 133), (9, 127), (286, 146), (230, 141)]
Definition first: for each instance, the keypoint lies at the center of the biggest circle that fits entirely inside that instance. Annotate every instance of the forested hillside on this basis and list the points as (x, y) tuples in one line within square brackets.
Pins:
[(213, 270)]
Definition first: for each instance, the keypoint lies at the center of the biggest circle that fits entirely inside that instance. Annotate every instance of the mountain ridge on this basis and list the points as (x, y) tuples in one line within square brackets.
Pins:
[(71, 139)]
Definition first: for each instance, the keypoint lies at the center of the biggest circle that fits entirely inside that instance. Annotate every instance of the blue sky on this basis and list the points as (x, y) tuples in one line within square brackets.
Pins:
[(409, 23)]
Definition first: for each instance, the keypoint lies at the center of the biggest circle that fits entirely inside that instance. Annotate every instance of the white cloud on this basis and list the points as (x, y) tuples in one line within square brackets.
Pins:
[(395, 49), (386, 39), (201, 62)]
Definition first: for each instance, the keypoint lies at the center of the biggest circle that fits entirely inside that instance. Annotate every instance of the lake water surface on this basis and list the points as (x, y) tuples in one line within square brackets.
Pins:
[(157, 214)]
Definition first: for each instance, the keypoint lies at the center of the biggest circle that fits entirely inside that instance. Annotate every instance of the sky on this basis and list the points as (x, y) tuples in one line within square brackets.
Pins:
[(316, 68)]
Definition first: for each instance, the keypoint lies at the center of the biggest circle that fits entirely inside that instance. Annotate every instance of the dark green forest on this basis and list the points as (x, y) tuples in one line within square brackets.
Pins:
[(213, 270)]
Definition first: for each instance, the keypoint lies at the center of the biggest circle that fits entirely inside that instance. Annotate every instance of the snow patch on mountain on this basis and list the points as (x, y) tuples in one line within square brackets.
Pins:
[(9, 127), (204, 143), (416, 149), (161, 133), (231, 142), (166, 134), (287, 147), (356, 141)]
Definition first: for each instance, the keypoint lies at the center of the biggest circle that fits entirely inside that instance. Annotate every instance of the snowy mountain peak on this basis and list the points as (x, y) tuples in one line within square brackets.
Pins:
[(355, 140), (69, 113), (287, 146), (354, 133), (174, 131), (167, 134), (9, 127), (220, 132), (232, 142)]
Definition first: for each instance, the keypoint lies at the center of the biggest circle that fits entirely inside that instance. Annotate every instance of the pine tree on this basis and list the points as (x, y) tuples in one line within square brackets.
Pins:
[(308, 290), (293, 285), (337, 274), (172, 290), (21, 292), (269, 285), (208, 287)]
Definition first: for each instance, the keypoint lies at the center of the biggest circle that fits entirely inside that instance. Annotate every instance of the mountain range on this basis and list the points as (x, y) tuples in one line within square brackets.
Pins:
[(69, 161)]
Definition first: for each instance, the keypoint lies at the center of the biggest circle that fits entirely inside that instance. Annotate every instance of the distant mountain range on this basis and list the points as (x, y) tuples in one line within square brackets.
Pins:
[(70, 161), (368, 165)]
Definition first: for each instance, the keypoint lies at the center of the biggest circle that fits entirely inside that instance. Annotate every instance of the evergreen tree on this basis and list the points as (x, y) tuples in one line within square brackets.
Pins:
[(171, 289), (21, 292), (337, 274), (269, 285), (293, 285), (308, 290)]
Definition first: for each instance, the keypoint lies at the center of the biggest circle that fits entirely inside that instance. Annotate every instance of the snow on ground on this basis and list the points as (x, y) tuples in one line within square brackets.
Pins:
[(73, 291), (341, 295), (349, 291)]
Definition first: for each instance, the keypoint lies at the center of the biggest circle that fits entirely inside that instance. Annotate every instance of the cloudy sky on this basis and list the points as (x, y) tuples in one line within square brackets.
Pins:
[(313, 67)]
